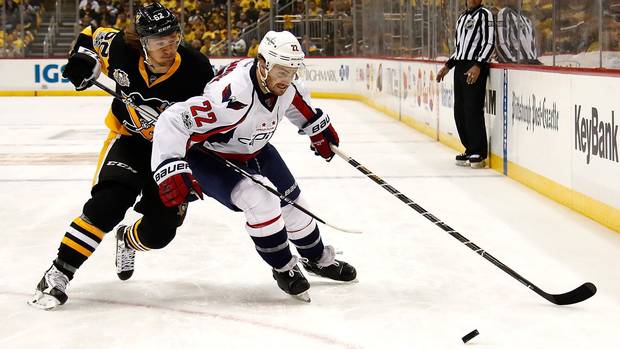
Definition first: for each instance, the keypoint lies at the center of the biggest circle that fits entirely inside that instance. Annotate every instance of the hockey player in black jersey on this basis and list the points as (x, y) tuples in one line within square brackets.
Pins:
[(152, 70)]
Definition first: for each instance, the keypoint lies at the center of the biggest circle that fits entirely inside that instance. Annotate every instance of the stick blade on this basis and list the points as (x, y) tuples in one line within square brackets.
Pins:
[(577, 295)]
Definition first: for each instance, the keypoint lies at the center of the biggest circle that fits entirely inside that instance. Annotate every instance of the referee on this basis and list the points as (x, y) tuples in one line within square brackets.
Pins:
[(516, 38), (475, 35)]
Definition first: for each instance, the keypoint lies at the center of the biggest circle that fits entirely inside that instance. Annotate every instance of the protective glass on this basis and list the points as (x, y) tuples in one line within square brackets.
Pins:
[(154, 43)]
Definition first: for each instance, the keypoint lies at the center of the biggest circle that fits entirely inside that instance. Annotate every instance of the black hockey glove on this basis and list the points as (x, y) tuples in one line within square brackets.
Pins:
[(82, 69)]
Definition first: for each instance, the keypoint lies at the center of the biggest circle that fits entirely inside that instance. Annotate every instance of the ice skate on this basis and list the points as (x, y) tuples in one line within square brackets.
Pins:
[(462, 160), (292, 281), (50, 291), (476, 161), (125, 256), (329, 267)]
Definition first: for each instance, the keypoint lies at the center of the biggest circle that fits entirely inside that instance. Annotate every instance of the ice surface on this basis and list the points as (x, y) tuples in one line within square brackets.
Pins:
[(418, 287)]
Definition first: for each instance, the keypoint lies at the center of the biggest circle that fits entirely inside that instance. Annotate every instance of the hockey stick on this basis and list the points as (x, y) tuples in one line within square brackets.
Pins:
[(577, 295), (273, 191), (229, 164)]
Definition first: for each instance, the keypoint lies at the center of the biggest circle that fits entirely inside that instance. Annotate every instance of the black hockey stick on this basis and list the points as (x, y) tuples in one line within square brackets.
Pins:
[(577, 295), (273, 191), (228, 163)]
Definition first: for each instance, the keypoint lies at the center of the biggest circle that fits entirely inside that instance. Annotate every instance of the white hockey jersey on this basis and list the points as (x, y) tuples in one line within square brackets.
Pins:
[(233, 117)]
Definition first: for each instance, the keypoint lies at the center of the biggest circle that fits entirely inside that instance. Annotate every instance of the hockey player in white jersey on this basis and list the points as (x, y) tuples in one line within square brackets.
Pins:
[(234, 119)]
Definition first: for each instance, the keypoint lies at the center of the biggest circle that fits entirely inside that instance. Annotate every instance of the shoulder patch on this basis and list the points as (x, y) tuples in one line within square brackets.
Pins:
[(187, 120), (121, 77)]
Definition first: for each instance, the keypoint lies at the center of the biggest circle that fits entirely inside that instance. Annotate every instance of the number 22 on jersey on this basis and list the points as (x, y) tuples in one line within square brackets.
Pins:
[(204, 109)]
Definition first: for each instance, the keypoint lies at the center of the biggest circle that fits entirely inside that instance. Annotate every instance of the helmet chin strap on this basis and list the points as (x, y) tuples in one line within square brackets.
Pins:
[(263, 79), (146, 55)]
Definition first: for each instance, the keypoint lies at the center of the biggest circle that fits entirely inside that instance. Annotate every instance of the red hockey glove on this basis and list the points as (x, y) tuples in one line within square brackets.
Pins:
[(322, 134), (176, 183)]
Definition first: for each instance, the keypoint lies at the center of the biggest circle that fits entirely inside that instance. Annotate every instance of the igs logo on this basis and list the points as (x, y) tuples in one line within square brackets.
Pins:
[(49, 73)]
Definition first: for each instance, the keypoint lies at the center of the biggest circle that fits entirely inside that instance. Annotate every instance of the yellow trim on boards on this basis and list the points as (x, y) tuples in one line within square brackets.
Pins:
[(18, 93), (51, 93)]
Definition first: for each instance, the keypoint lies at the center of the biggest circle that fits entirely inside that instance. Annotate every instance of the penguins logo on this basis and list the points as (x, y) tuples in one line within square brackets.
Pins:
[(121, 77), (143, 113)]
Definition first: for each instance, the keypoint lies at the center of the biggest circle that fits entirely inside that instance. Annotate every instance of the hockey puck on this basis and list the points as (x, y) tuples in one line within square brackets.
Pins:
[(470, 335)]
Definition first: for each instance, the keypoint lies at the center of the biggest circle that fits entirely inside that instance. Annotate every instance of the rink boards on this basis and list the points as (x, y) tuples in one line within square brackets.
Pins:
[(554, 131)]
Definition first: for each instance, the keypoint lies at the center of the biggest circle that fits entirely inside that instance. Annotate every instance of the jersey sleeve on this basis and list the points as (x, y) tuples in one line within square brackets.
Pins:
[(99, 41), (300, 111), (189, 122), (84, 39), (487, 29)]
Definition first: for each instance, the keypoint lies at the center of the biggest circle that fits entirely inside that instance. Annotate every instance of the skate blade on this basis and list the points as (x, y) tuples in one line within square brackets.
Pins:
[(463, 163), (304, 297), (481, 164), (43, 301)]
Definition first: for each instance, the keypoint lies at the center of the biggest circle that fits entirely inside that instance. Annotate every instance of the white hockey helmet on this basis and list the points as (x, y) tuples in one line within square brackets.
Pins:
[(281, 48)]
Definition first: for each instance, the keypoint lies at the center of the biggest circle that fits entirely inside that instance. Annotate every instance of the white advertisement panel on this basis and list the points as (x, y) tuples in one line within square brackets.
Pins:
[(327, 75), (493, 111), (540, 123), (446, 106), (382, 86), (420, 93), (323, 75), (593, 121), (35, 74)]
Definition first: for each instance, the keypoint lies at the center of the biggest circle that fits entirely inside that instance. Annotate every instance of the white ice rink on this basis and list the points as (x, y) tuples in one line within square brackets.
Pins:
[(418, 287)]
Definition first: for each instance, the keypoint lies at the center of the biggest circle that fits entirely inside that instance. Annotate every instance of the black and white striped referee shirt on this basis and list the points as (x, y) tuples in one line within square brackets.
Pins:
[(515, 34), (475, 35)]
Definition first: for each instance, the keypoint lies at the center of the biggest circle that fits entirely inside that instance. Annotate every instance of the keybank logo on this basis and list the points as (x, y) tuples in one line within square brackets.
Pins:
[(596, 136), (49, 73)]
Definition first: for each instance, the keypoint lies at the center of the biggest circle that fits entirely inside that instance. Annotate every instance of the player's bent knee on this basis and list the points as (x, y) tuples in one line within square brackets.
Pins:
[(255, 200), (162, 238), (108, 205), (261, 208), (298, 224)]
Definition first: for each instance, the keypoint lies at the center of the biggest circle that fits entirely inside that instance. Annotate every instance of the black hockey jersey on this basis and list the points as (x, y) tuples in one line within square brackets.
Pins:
[(187, 77)]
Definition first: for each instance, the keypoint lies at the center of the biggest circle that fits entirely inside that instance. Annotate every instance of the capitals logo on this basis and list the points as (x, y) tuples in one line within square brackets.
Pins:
[(233, 103), (143, 113)]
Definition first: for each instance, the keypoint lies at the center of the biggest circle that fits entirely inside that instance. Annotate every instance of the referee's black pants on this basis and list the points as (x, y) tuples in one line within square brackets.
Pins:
[(469, 108)]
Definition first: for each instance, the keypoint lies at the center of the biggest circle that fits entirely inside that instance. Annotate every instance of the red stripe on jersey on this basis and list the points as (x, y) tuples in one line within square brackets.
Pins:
[(302, 106), (264, 224), (238, 157)]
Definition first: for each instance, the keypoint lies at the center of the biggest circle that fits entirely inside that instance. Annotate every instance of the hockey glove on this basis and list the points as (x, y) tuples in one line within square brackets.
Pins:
[(82, 69), (322, 134), (176, 183)]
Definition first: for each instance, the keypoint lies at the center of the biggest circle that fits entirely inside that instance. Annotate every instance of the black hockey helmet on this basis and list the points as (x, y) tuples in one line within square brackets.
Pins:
[(155, 19)]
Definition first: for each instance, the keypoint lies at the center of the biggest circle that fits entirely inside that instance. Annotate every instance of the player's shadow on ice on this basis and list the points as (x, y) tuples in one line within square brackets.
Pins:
[(144, 293)]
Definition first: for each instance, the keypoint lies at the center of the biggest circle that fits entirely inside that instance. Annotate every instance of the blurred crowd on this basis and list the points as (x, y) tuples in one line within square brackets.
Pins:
[(329, 29), (20, 25), (206, 26)]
